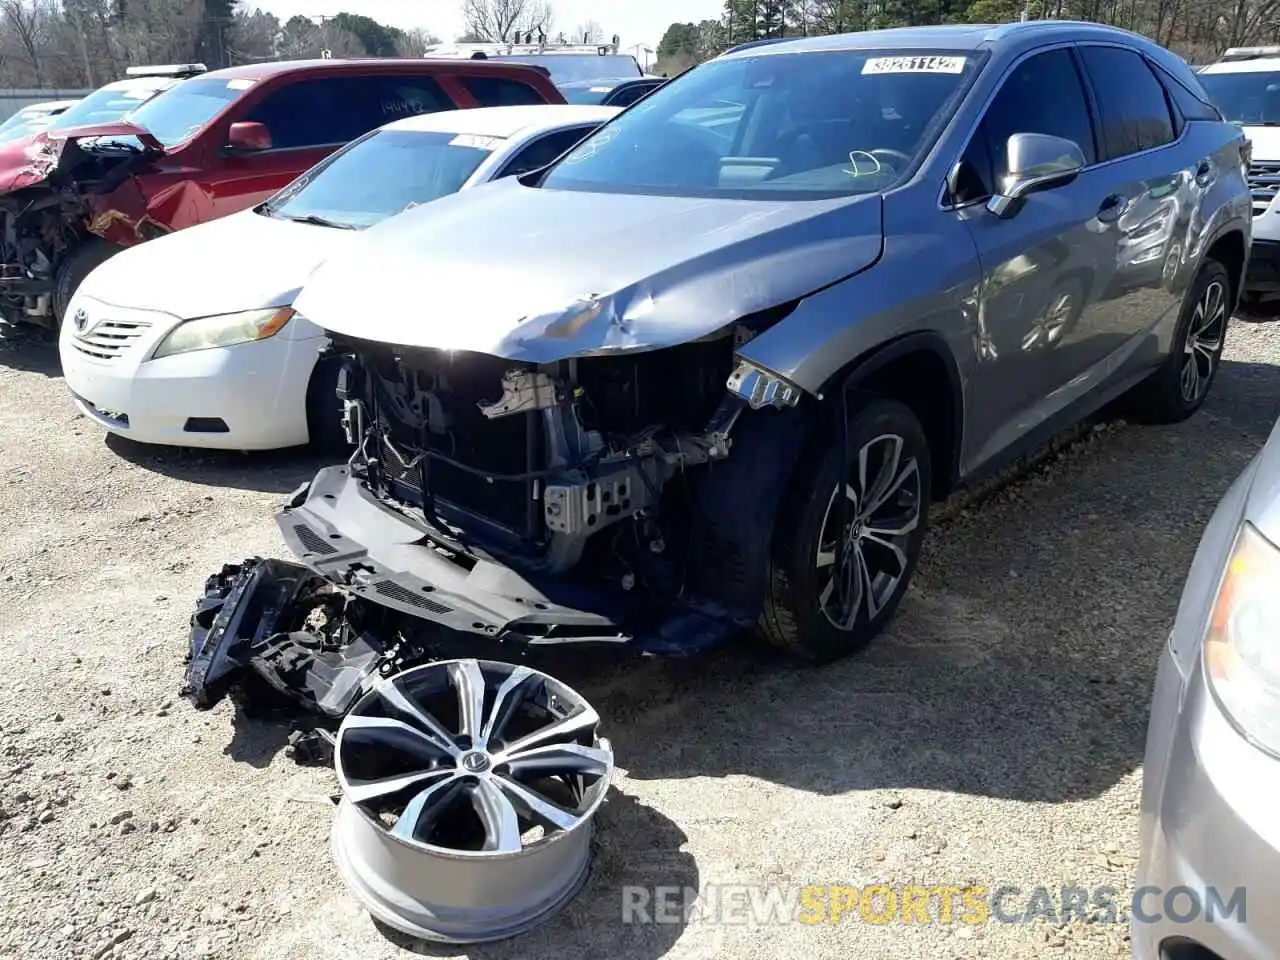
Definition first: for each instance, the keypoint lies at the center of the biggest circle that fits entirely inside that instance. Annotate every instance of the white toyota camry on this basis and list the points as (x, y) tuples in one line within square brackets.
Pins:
[(191, 339)]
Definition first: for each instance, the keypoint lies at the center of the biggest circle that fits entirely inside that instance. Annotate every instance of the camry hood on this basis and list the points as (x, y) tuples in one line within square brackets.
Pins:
[(241, 262), (543, 275)]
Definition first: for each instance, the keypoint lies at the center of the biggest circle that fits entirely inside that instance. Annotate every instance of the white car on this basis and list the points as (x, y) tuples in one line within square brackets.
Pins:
[(191, 339), (33, 118)]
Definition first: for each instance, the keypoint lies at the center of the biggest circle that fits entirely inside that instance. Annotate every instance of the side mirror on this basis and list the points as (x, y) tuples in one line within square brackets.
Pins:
[(1035, 161), (248, 136)]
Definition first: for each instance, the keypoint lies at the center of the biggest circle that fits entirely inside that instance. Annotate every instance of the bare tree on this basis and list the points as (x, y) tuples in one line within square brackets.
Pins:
[(27, 24), (501, 21), (589, 32), (414, 43)]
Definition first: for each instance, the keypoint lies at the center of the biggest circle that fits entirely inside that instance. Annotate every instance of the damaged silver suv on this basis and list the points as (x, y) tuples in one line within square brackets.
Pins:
[(708, 369)]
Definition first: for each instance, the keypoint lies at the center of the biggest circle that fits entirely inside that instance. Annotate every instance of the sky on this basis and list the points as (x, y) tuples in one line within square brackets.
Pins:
[(635, 21)]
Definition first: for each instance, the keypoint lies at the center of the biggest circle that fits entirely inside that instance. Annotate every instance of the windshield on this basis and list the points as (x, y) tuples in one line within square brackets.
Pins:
[(20, 131), (103, 106), (22, 118), (380, 176), (184, 110), (1248, 98), (574, 67), (780, 126), (588, 93)]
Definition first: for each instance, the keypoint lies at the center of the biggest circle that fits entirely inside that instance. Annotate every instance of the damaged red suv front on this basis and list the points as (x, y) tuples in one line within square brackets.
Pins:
[(213, 145)]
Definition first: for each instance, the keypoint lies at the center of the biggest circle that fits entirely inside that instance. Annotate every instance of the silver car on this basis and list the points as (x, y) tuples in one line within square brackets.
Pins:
[(1210, 833), (707, 370)]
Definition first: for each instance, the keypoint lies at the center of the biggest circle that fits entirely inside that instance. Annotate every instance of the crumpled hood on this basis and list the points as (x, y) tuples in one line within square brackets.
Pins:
[(542, 275), (25, 162), (241, 262)]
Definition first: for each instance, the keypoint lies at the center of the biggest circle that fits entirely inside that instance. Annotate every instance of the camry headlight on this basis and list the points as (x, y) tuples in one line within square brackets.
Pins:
[(224, 330), (1242, 643)]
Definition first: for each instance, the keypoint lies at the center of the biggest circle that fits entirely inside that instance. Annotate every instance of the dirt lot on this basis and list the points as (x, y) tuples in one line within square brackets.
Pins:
[(994, 736)]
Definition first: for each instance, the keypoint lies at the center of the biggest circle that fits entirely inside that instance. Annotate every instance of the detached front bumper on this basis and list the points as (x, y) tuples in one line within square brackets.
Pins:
[(338, 528)]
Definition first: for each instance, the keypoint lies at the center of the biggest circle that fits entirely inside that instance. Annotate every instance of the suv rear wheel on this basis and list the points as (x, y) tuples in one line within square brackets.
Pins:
[(849, 536), (1180, 384)]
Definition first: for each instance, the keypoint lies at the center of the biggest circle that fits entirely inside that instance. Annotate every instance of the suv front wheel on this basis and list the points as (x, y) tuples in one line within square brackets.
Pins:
[(849, 535)]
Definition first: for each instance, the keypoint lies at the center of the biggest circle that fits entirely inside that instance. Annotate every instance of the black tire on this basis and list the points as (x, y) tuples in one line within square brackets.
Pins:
[(1166, 396), (324, 412), (77, 264), (795, 616)]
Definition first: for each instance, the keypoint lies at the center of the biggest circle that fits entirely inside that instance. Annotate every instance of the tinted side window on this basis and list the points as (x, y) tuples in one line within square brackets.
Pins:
[(501, 92), (543, 150), (1135, 113), (328, 110), (1189, 104), (628, 95), (1043, 94)]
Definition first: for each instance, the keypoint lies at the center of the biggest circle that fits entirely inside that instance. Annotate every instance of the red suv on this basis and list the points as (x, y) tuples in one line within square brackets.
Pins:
[(212, 145)]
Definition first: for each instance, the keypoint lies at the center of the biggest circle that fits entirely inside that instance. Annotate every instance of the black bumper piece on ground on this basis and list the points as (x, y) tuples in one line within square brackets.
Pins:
[(339, 528), (245, 639)]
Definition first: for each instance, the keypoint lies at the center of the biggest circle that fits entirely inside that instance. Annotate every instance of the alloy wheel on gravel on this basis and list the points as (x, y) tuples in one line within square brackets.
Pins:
[(862, 555), (468, 791), (1203, 343)]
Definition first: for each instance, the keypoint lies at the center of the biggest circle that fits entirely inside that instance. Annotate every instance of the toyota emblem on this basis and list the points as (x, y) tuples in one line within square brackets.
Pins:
[(80, 319)]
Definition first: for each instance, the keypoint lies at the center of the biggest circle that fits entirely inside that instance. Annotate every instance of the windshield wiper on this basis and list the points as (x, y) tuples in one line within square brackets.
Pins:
[(322, 222)]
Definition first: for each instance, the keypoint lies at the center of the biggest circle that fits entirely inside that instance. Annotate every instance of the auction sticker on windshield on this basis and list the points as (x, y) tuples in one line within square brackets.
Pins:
[(475, 141), (914, 65)]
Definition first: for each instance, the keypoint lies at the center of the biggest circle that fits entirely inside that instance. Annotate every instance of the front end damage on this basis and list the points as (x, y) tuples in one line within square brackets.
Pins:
[(597, 499), (619, 500), (69, 190)]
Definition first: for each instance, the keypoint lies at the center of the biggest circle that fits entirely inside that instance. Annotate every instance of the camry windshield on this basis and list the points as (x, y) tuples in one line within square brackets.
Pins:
[(104, 106), (380, 176), (781, 126), (1248, 98), (184, 110), (575, 67)]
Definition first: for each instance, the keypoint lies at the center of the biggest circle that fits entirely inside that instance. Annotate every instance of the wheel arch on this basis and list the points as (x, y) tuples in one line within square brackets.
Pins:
[(920, 370), (1229, 249)]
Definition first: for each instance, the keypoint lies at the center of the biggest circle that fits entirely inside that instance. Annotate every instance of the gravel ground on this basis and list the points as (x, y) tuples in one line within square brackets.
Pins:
[(993, 736)]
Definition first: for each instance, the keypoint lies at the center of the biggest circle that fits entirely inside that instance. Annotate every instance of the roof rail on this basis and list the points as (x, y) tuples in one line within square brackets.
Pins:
[(1248, 53), (167, 70), (758, 43)]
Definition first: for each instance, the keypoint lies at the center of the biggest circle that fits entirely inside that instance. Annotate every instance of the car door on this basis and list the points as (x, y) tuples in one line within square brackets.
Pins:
[(1154, 185), (307, 120), (1044, 264)]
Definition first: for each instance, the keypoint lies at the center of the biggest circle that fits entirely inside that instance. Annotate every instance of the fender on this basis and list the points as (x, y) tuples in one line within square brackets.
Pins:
[(861, 371)]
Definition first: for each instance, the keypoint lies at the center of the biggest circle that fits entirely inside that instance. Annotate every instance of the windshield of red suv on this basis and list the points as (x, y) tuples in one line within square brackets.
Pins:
[(183, 111), (776, 126), (381, 175)]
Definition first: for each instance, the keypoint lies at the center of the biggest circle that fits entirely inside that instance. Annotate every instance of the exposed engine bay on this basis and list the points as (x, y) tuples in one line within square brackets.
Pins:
[(599, 500), (607, 476), (40, 224)]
